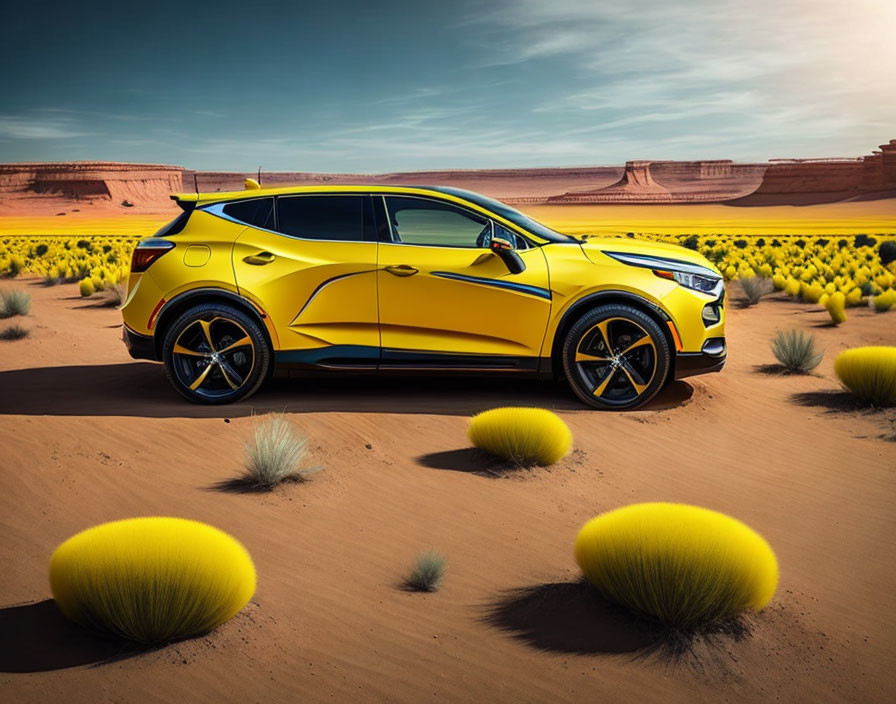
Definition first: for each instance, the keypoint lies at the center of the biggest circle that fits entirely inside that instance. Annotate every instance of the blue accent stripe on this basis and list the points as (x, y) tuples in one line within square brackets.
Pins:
[(497, 283)]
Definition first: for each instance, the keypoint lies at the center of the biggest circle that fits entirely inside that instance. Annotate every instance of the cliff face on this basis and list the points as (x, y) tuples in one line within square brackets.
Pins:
[(139, 184)]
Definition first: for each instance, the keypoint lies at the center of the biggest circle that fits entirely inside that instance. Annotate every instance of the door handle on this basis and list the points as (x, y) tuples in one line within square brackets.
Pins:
[(260, 258), (402, 270)]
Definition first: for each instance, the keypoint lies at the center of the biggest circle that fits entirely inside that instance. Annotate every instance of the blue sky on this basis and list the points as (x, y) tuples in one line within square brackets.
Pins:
[(387, 86)]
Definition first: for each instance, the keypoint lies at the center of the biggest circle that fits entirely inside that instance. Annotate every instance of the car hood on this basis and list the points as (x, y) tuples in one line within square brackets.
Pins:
[(593, 245)]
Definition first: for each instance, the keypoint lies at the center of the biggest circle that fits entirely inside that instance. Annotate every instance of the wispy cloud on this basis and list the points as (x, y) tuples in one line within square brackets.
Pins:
[(32, 127)]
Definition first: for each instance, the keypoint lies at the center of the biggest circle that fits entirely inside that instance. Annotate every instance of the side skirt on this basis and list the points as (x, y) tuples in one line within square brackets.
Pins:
[(364, 358)]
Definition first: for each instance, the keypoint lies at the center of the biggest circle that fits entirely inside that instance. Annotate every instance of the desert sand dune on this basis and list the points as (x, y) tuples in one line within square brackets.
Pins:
[(89, 435)]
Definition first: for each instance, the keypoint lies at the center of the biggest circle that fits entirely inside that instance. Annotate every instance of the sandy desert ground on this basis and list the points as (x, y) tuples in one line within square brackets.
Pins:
[(88, 435)]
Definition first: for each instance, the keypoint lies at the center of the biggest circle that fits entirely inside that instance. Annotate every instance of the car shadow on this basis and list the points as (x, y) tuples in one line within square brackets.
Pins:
[(36, 637), (141, 389)]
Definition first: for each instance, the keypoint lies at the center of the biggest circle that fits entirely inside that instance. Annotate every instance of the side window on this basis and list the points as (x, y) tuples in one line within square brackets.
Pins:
[(429, 222), (258, 212), (322, 217)]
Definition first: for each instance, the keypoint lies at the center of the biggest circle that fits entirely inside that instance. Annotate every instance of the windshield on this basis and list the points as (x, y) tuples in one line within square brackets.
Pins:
[(505, 211)]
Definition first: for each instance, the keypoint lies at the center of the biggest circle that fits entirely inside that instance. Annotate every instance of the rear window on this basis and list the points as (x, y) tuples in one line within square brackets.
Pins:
[(321, 217), (258, 212), (175, 226)]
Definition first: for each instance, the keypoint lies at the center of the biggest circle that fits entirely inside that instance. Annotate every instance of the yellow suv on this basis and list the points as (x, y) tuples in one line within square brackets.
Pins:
[(415, 279)]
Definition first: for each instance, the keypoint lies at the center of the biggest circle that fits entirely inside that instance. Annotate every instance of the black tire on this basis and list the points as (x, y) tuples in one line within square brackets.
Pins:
[(216, 354), (623, 372)]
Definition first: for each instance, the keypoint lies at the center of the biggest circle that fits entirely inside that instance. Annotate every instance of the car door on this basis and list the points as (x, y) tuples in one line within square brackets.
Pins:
[(442, 293), (312, 269)]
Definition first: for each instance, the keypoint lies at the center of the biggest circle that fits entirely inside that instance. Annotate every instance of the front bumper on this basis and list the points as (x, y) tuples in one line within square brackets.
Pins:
[(711, 359), (139, 346)]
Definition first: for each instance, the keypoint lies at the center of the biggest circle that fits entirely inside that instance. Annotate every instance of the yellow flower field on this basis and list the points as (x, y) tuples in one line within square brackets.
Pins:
[(785, 244)]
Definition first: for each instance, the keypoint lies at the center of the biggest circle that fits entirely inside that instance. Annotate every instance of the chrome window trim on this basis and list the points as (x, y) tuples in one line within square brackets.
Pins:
[(208, 208)]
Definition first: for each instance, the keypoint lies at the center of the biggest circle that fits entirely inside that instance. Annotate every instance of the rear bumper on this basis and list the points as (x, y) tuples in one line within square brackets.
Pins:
[(711, 359), (139, 346)]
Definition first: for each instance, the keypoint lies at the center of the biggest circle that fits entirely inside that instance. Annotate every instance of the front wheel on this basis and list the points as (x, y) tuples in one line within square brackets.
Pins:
[(616, 357), (215, 354)]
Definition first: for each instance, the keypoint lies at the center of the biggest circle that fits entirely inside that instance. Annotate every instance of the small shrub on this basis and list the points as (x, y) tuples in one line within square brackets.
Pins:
[(869, 373), (680, 565), (151, 580), (113, 296), (524, 436), (14, 332), (795, 350), (276, 454), (86, 287), (426, 573), (14, 302), (885, 301), (836, 307), (754, 288)]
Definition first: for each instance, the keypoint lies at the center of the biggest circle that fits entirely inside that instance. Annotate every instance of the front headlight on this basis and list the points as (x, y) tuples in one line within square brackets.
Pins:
[(692, 276), (697, 282)]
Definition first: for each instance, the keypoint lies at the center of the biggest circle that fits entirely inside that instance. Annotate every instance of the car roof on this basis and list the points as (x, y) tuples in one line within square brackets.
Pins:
[(217, 196)]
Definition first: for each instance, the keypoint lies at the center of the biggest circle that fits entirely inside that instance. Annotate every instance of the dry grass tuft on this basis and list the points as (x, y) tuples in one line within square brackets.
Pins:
[(276, 453), (14, 302), (426, 573), (754, 288), (795, 350)]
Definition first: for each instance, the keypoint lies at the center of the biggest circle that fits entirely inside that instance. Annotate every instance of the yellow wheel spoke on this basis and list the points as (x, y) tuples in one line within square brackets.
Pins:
[(638, 343), (604, 327), (639, 388), (206, 326), (239, 343), (583, 357), (599, 391), (225, 368), (180, 349), (199, 379)]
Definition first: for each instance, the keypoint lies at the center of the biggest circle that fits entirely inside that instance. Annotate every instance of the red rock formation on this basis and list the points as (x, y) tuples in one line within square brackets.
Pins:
[(841, 176), (636, 185), (888, 167), (139, 184)]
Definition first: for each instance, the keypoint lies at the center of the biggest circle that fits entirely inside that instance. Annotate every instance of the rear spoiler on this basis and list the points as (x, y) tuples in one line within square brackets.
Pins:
[(186, 201)]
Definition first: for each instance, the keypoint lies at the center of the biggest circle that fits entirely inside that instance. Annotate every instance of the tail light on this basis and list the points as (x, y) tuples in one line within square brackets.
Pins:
[(147, 252)]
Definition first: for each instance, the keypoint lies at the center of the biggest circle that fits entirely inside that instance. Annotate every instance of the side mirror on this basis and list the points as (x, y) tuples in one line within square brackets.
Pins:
[(504, 249)]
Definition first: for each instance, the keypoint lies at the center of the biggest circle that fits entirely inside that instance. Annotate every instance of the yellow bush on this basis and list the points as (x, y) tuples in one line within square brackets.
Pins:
[(151, 579), (791, 287), (522, 435), (677, 564), (885, 301), (869, 373), (836, 307), (86, 287)]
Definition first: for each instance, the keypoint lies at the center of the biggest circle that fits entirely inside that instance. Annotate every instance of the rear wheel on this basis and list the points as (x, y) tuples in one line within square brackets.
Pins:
[(616, 357), (215, 354)]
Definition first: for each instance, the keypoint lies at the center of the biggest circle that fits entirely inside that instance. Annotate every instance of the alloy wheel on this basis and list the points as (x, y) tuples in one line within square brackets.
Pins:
[(214, 357), (616, 359)]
